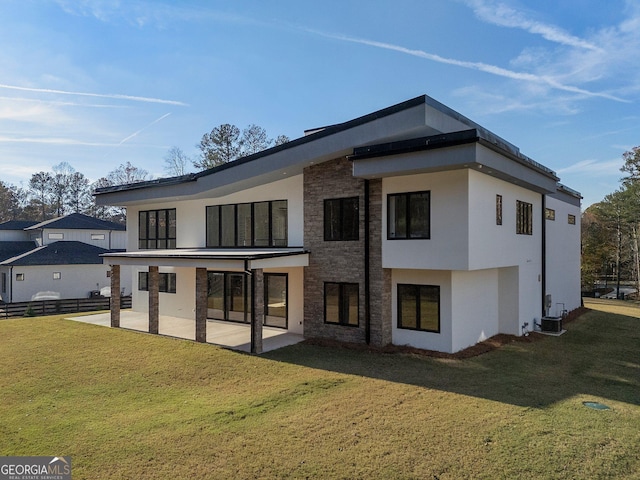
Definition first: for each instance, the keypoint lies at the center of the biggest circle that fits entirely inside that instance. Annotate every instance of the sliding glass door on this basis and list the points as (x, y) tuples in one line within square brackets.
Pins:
[(229, 298)]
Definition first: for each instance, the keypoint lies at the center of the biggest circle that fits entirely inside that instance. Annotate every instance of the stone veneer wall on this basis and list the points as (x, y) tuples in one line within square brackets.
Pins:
[(343, 261)]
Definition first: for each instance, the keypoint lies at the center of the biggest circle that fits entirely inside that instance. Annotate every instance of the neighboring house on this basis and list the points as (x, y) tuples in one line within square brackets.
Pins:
[(62, 255), (412, 225)]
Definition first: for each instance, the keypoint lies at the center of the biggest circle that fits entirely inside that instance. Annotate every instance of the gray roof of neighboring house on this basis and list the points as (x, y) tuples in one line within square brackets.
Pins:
[(12, 249), (59, 253), (16, 224), (78, 221)]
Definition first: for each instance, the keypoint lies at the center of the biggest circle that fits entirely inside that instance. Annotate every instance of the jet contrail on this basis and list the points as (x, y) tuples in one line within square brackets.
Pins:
[(100, 95)]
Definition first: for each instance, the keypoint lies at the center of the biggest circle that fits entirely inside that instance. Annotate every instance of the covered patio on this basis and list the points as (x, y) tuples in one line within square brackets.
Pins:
[(235, 336), (248, 265)]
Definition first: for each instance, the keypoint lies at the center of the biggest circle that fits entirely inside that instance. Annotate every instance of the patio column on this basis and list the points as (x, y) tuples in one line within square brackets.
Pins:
[(114, 303), (201, 305), (257, 309), (154, 307)]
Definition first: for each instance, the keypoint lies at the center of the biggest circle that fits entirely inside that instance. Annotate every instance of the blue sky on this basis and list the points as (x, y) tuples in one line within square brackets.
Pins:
[(99, 83)]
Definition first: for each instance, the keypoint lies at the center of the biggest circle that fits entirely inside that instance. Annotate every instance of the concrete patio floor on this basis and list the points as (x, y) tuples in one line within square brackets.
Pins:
[(236, 336)]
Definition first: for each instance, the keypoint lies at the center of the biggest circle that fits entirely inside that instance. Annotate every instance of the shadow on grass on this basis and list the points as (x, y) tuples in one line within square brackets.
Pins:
[(599, 356)]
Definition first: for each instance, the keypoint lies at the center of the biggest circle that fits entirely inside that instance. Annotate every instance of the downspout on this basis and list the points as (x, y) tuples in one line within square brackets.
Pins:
[(544, 255), (367, 283)]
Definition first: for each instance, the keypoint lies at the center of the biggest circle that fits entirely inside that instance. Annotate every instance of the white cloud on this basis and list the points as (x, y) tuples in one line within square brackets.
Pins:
[(499, 13), (594, 168), (542, 79)]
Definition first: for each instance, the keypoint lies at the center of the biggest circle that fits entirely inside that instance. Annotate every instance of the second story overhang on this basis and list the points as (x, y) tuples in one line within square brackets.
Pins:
[(467, 149)]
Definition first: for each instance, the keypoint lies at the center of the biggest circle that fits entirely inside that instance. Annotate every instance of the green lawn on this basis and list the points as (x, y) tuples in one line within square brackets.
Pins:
[(128, 405)]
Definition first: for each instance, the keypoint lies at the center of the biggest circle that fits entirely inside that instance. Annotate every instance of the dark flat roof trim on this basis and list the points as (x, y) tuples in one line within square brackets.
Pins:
[(569, 191), (222, 256), (324, 132), (445, 140), (415, 144)]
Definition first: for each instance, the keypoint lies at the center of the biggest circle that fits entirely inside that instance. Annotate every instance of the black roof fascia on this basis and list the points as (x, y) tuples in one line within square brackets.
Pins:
[(323, 132), (415, 144), (443, 141), (256, 256)]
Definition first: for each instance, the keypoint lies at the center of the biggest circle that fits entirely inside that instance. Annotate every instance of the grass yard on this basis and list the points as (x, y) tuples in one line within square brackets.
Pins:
[(126, 405)]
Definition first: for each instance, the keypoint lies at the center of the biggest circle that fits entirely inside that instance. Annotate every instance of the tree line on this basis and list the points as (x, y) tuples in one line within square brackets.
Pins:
[(610, 230), (63, 190)]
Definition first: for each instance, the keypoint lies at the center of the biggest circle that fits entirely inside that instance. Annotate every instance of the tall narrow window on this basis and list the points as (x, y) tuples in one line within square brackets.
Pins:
[(571, 219), (408, 216), (4, 282), (341, 219), (275, 299), (419, 307), (498, 209), (341, 303), (524, 218)]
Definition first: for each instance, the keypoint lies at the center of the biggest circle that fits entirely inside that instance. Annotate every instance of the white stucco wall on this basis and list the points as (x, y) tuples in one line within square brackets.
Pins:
[(447, 249), (475, 307), (191, 214), (563, 257)]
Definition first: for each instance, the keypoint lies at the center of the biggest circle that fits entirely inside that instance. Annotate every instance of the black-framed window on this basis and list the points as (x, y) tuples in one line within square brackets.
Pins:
[(341, 303), (166, 282), (524, 218), (409, 216), (341, 219), (157, 229), (571, 219), (258, 224), (419, 307), (550, 214), (498, 209), (275, 300), (4, 282)]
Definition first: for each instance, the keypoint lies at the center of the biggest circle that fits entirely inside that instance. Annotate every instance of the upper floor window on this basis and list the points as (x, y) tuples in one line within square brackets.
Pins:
[(97, 236), (408, 215), (549, 214), (571, 219), (498, 209), (341, 219), (56, 236), (524, 218), (259, 224), (157, 228)]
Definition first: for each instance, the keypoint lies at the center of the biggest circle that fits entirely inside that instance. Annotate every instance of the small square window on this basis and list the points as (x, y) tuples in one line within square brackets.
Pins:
[(571, 219), (57, 275), (19, 277), (550, 214)]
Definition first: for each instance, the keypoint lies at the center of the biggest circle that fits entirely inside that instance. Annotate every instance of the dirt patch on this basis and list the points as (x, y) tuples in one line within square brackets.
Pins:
[(488, 345)]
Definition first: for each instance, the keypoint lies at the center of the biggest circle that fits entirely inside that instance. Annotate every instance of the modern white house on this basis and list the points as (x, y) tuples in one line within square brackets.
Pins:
[(412, 225), (61, 256)]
